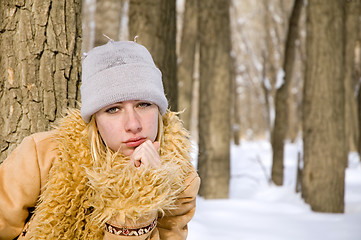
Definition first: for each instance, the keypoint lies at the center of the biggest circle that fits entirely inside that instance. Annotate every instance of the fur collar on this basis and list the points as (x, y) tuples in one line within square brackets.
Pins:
[(81, 195)]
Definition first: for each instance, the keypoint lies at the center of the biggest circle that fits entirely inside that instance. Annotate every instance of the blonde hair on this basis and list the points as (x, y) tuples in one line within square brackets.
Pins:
[(98, 148)]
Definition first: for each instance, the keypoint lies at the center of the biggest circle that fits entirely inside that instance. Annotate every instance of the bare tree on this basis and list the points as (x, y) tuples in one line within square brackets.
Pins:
[(215, 98), (325, 153), (270, 65), (154, 22), (352, 18), (235, 116), (281, 119), (88, 15), (187, 61), (40, 45), (107, 20)]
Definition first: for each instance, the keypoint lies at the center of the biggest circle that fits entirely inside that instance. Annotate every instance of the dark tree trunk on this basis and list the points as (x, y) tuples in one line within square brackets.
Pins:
[(108, 15), (215, 98), (154, 22), (236, 118), (325, 154), (88, 16), (187, 61), (352, 16), (281, 120)]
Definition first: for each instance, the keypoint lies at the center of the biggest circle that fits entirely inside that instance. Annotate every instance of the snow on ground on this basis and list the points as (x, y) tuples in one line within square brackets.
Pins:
[(257, 210)]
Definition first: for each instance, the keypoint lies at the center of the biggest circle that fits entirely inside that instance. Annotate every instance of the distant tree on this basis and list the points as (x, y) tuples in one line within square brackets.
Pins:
[(325, 153), (281, 119), (40, 44), (235, 115), (273, 53), (87, 12), (215, 98), (352, 35), (186, 63), (154, 22), (107, 20)]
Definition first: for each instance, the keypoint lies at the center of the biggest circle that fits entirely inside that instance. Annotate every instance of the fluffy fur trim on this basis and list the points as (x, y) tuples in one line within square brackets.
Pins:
[(81, 195)]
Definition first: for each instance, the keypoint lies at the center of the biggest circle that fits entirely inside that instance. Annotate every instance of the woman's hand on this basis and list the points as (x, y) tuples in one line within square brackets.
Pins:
[(146, 154)]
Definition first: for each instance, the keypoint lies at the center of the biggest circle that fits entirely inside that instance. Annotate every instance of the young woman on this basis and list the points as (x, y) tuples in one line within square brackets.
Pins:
[(117, 169)]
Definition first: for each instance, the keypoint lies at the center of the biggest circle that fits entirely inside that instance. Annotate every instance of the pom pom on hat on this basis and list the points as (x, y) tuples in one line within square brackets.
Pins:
[(117, 72)]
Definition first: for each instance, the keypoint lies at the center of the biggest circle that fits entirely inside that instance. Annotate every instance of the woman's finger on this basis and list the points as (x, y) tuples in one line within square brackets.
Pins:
[(151, 153), (146, 155)]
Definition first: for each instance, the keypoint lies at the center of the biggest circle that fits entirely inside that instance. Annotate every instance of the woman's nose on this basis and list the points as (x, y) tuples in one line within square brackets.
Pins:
[(132, 121)]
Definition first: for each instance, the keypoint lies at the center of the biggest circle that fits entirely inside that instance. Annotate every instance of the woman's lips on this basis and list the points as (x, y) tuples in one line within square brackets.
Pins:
[(135, 142)]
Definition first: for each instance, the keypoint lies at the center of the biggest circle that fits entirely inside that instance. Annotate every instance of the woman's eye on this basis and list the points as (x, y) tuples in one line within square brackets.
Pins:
[(112, 110), (144, 104)]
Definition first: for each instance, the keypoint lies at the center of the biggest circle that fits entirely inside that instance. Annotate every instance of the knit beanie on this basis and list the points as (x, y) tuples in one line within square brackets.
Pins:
[(116, 72)]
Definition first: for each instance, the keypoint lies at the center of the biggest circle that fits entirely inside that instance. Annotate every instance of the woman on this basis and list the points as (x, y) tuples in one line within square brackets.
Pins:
[(118, 169)]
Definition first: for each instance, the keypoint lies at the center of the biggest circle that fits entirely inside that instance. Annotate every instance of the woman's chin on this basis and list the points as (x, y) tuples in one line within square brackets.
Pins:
[(127, 152)]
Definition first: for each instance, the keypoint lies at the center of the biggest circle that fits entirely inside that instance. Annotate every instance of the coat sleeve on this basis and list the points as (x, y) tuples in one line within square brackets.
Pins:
[(173, 225), (20, 186)]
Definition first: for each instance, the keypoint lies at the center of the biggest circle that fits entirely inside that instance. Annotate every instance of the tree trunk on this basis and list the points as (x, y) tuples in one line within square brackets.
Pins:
[(270, 71), (357, 69), (124, 31), (215, 98), (108, 15), (359, 120), (186, 61), (266, 91), (88, 16), (281, 119), (236, 118), (323, 177), (352, 16), (40, 45), (154, 22)]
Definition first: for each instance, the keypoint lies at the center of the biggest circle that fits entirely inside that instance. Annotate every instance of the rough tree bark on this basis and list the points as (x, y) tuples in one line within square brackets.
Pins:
[(154, 22), (186, 61), (281, 120), (107, 20), (215, 98), (40, 48), (323, 176)]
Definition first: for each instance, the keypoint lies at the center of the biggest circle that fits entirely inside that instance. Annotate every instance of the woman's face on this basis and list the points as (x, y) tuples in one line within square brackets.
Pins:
[(125, 125)]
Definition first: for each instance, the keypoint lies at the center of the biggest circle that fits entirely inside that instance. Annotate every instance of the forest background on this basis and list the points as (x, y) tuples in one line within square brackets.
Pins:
[(269, 69)]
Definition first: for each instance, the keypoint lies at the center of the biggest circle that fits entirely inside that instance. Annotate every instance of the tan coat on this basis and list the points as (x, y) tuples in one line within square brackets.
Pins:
[(35, 169)]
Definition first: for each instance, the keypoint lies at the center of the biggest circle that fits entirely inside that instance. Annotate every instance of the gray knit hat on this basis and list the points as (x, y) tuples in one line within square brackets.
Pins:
[(116, 72)]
